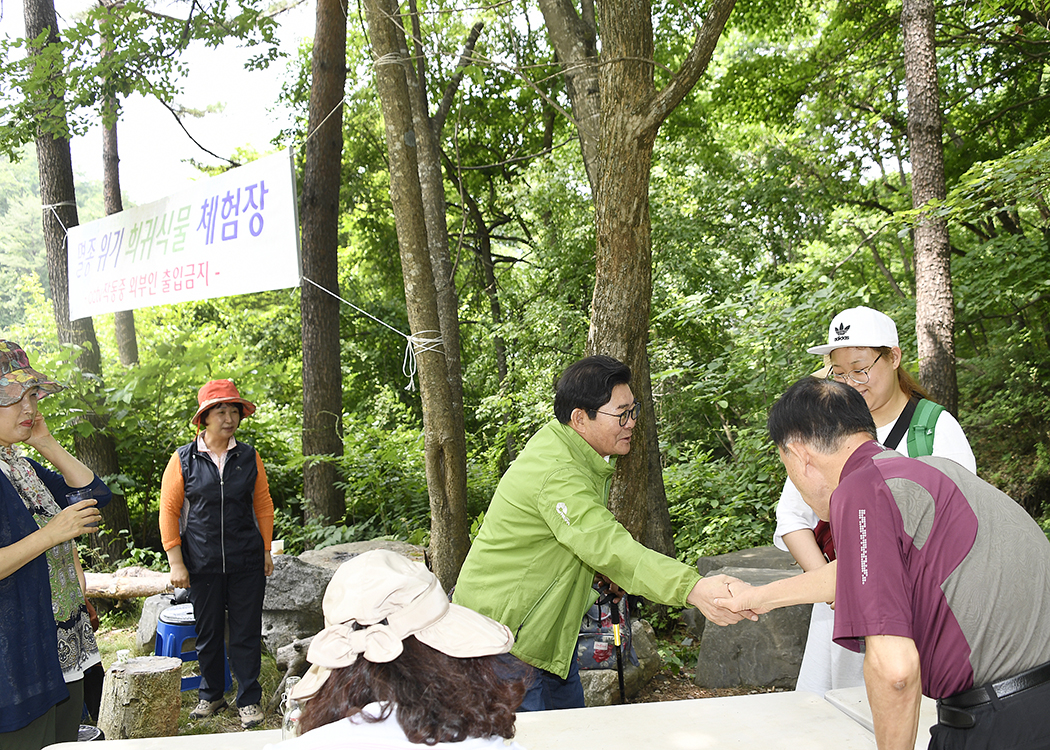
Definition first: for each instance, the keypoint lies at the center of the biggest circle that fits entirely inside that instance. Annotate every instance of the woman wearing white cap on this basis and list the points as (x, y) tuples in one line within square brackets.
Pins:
[(864, 353), (398, 666)]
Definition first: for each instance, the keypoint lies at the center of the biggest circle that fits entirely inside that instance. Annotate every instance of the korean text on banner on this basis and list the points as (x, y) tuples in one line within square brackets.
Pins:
[(234, 233)]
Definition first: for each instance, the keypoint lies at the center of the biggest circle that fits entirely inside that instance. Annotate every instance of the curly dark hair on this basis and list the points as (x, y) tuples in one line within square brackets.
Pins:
[(439, 698)]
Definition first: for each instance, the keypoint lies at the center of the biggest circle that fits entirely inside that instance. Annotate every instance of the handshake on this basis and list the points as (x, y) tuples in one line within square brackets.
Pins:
[(725, 600)]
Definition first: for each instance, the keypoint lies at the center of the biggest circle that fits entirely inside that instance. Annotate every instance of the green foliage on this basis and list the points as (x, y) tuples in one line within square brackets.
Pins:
[(723, 504), (60, 81)]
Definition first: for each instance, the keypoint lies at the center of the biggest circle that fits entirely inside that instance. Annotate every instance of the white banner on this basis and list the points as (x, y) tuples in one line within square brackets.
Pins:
[(231, 234)]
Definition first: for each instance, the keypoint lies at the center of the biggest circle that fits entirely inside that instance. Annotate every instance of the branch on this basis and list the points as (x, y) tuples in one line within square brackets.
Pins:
[(197, 143), (465, 59), (868, 240), (693, 67)]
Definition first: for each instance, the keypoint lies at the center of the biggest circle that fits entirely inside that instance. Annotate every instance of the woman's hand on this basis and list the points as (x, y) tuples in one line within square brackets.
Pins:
[(267, 564), (40, 433), (180, 576), (79, 518)]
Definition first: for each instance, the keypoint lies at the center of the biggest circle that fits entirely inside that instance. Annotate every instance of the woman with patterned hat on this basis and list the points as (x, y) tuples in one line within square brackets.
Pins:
[(398, 667), (216, 525), (46, 640)]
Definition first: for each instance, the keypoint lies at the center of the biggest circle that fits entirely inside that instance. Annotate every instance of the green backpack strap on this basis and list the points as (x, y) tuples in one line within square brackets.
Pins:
[(920, 431)]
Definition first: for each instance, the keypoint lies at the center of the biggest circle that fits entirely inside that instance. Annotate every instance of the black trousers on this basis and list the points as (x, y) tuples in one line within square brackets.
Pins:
[(1021, 720), (240, 597)]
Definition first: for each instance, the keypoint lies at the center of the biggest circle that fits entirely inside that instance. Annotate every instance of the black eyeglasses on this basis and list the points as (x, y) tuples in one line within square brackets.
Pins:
[(633, 413), (860, 377)]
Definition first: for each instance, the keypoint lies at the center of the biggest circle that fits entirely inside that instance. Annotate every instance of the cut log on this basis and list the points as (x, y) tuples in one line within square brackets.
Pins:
[(141, 698), (127, 583)]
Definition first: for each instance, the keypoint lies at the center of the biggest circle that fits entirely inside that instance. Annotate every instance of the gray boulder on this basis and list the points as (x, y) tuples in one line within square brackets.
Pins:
[(334, 556), (146, 634), (766, 653), (292, 605), (756, 557), (601, 687)]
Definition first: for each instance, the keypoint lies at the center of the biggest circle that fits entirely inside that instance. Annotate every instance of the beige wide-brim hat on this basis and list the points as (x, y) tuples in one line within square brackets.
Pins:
[(376, 600), (859, 326)]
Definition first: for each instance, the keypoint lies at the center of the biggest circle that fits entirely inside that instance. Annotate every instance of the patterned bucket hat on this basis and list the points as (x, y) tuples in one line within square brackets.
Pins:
[(17, 377)]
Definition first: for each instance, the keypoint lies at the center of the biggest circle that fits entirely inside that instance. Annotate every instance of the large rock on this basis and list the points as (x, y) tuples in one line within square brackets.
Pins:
[(756, 557), (334, 556), (601, 687), (146, 634), (765, 653), (292, 605)]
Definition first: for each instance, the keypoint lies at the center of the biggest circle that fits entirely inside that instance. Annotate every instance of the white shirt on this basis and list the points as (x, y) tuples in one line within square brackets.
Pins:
[(948, 442), (354, 734)]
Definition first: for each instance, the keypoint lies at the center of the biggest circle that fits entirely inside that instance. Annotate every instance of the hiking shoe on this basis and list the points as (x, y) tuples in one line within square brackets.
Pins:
[(251, 716), (205, 708)]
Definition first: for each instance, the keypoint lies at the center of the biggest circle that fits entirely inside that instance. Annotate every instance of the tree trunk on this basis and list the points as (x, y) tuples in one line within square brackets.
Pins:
[(96, 450), (934, 303), (124, 320), (453, 434), (322, 376), (449, 538), (631, 112), (574, 38)]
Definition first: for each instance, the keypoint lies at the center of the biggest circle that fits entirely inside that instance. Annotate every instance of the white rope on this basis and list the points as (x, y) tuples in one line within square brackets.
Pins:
[(416, 343), (52, 208)]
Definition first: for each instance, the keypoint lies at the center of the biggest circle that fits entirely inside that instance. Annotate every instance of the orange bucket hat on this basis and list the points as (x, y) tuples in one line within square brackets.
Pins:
[(220, 392)]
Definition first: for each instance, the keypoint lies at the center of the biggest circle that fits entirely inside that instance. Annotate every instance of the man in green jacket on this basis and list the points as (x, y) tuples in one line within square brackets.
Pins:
[(547, 533)]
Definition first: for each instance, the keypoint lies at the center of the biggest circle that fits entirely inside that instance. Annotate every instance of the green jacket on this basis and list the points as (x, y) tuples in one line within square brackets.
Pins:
[(546, 532)]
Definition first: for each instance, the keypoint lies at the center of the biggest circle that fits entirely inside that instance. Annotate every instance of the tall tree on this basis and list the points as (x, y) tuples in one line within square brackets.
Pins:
[(934, 302), (319, 215), (96, 449), (618, 156), (415, 168), (124, 320)]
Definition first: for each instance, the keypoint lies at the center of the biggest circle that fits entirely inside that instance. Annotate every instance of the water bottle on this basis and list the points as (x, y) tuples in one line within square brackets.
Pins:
[(292, 710)]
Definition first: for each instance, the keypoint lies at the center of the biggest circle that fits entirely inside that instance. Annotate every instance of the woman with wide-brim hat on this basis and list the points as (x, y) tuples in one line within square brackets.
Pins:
[(44, 626), (216, 525), (399, 667)]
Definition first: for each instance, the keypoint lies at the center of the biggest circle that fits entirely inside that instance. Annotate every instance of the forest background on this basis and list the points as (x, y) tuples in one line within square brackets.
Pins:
[(780, 193)]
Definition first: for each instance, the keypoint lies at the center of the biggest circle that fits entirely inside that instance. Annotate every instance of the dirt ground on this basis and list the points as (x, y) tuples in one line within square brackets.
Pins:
[(670, 687)]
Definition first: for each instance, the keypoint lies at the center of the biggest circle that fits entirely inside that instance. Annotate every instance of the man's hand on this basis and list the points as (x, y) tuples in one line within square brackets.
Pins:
[(708, 590), (743, 597), (604, 582)]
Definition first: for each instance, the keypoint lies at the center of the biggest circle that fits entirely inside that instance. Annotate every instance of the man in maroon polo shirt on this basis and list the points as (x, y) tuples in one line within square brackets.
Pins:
[(942, 581)]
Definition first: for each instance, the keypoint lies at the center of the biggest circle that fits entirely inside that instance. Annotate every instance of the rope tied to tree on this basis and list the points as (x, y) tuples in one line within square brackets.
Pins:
[(52, 207), (416, 343)]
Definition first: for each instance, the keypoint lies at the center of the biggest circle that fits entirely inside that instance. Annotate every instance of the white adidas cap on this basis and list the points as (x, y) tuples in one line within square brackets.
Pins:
[(859, 326)]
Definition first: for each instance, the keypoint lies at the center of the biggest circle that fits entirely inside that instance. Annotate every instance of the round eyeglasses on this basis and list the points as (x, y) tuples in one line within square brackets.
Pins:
[(860, 377), (633, 413)]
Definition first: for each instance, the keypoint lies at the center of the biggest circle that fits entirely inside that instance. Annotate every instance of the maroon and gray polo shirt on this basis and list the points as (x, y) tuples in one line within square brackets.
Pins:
[(929, 551)]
